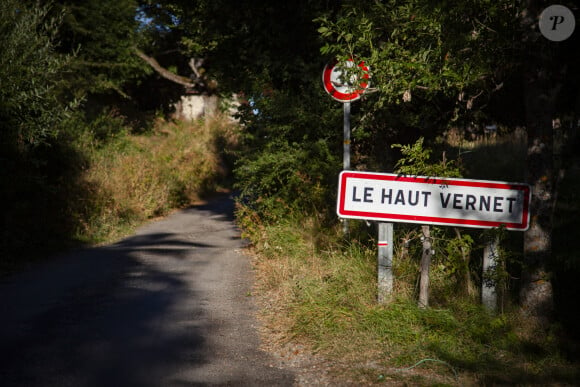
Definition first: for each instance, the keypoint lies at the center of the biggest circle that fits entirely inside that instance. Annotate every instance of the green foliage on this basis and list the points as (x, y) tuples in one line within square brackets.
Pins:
[(104, 127), (292, 175), (243, 39), (291, 141), (416, 160), (39, 167), (434, 65), (454, 251), (425, 48), (104, 35), (285, 161), (30, 71)]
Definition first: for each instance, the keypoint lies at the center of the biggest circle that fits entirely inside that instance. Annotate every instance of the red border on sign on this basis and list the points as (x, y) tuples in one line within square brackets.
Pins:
[(430, 219), (344, 97)]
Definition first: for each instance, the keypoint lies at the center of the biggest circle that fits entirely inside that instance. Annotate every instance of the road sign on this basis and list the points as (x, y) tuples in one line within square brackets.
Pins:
[(341, 89), (433, 200)]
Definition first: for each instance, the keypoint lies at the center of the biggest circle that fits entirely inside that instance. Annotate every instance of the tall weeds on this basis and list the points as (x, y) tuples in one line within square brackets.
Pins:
[(133, 178)]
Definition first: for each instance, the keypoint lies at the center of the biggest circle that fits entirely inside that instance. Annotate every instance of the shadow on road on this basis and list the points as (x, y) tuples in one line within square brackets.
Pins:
[(94, 318), (129, 314)]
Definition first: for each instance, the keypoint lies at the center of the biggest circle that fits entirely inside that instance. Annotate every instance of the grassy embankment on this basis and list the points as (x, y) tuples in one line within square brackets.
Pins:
[(320, 290), (99, 180), (133, 178)]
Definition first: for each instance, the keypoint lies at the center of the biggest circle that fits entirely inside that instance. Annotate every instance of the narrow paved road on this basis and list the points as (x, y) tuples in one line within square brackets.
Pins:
[(170, 306)]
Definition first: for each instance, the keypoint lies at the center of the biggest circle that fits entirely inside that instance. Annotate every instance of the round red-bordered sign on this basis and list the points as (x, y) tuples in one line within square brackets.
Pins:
[(338, 89)]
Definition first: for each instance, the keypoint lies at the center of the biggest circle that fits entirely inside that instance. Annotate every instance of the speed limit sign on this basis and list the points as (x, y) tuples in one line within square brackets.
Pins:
[(340, 87)]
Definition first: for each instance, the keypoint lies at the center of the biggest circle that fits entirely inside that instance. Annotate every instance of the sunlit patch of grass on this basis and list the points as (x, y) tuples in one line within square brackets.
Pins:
[(138, 177)]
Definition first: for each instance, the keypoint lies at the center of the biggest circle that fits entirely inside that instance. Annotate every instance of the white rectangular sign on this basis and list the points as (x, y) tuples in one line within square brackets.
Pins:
[(433, 200)]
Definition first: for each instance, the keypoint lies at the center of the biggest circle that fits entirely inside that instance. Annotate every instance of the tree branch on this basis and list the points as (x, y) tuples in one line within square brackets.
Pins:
[(163, 71)]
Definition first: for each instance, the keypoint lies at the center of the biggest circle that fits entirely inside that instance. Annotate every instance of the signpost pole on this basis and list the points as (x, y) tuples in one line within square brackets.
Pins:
[(385, 262), (488, 292), (345, 91), (346, 150)]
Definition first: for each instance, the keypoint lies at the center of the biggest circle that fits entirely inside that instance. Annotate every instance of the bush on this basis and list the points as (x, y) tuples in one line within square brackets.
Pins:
[(291, 176), (30, 71), (38, 163), (290, 152)]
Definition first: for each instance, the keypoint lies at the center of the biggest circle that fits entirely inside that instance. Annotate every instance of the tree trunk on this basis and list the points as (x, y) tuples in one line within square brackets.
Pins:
[(536, 292), (425, 263), (541, 87), (470, 289)]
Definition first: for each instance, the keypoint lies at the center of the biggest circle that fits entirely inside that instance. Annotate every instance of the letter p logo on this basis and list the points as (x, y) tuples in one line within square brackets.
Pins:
[(558, 19), (557, 23)]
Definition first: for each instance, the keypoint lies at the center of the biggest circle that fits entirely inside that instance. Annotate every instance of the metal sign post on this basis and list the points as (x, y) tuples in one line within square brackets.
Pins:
[(346, 147), (346, 151), (385, 262), (345, 91)]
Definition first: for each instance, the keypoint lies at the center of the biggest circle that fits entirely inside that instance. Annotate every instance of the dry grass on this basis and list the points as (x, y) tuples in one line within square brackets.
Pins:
[(138, 177)]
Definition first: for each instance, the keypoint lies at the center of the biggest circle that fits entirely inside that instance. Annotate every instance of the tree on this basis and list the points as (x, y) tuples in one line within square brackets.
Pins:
[(449, 56), (268, 53), (103, 35), (241, 42), (547, 76), (30, 73), (32, 112)]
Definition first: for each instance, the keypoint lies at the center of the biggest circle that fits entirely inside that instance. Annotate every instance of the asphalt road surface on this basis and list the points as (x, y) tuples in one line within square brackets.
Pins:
[(169, 306)]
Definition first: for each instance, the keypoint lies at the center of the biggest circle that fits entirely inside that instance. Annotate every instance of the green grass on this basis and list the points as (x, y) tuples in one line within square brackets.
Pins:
[(320, 290)]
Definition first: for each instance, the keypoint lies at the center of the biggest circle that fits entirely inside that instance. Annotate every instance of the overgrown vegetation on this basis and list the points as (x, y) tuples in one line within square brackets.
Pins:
[(317, 289), (320, 289), (132, 178), (82, 160), (467, 78), (119, 180), (31, 154)]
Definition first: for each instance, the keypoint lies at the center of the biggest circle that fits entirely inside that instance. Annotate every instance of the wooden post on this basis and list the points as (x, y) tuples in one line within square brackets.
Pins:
[(488, 289), (385, 262), (425, 263)]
